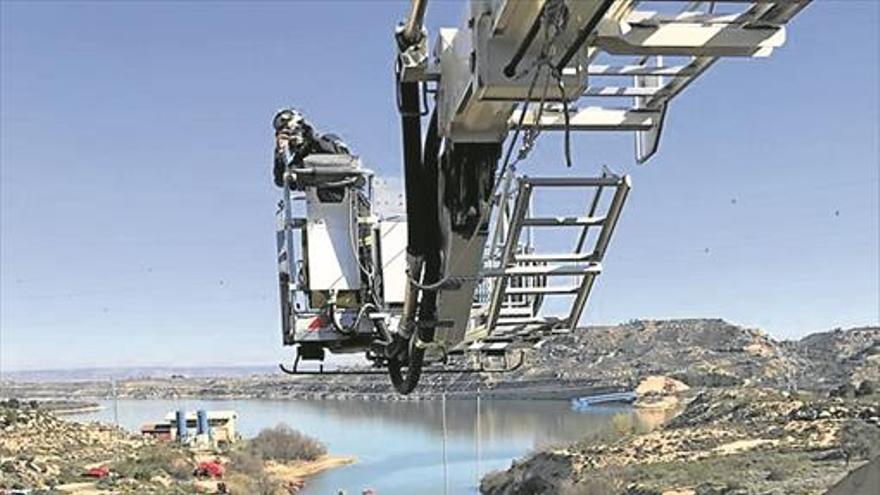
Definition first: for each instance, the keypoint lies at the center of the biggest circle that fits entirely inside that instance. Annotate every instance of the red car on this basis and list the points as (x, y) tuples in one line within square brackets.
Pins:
[(210, 469), (98, 472)]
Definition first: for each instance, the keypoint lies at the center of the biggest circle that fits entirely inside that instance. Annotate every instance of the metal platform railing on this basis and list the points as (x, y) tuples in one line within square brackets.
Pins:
[(518, 277)]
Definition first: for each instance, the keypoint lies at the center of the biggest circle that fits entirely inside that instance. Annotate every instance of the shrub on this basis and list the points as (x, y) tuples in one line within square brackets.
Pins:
[(283, 443), (259, 485), (777, 473), (865, 388), (245, 462), (155, 460), (247, 474), (623, 424), (588, 487), (845, 390)]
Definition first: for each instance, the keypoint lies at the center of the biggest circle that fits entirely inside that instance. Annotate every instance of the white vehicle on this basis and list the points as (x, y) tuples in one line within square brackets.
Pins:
[(460, 273)]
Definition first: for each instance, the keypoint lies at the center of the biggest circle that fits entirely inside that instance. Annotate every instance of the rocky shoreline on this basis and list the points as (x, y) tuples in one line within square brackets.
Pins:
[(725, 441)]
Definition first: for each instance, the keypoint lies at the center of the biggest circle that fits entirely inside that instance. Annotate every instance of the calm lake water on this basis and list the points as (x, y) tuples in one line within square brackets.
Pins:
[(399, 445)]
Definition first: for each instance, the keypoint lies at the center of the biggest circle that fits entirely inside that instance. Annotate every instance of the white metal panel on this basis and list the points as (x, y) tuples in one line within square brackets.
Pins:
[(690, 38), (393, 242), (331, 231), (648, 141), (591, 118)]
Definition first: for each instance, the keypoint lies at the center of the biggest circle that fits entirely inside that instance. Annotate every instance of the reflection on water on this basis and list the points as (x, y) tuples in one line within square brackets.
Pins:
[(399, 445)]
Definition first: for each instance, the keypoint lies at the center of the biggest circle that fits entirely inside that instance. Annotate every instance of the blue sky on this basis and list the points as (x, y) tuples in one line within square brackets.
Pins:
[(137, 205)]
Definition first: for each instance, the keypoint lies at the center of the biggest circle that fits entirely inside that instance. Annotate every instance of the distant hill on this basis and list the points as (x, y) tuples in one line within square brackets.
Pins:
[(700, 352), (707, 352), (129, 373)]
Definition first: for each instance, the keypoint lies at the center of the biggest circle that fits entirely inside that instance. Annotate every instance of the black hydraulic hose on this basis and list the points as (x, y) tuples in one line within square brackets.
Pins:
[(405, 375), (411, 127), (431, 191), (583, 34)]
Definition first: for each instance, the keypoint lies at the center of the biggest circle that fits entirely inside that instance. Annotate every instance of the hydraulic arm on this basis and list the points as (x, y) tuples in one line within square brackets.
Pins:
[(462, 271)]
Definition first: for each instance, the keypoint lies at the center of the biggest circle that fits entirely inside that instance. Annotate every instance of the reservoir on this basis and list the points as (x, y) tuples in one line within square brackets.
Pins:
[(402, 448)]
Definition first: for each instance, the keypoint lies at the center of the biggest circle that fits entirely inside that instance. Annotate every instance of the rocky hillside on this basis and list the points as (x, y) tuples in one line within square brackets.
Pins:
[(839, 356), (737, 440), (762, 416), (703, 352), (707, 352), (39, 450)]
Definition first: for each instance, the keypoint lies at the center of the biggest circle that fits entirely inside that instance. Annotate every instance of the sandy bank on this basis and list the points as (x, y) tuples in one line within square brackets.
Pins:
[(298, 470)]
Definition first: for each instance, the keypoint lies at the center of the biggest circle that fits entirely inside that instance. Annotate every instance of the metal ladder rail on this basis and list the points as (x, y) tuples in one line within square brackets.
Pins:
[(606, 222), (594, 205), (523, 197), (598, 254), (513, 264), (518, 304), (533, 289), (500, 233)]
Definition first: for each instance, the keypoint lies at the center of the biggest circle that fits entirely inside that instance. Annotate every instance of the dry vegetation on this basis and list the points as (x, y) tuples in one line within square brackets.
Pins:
[(283, 443), (250, 461), (40, 452)]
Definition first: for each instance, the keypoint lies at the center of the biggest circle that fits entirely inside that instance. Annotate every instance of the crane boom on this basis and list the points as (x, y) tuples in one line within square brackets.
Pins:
[(462, 273)]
